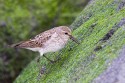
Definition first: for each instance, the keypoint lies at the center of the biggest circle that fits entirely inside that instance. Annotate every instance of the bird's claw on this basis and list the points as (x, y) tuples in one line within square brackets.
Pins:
[(55, 60)]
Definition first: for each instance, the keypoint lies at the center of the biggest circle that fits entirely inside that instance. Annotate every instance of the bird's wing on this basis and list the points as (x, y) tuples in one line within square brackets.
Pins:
[(37, 41)]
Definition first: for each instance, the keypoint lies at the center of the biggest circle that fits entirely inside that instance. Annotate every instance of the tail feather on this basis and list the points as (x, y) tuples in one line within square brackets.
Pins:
[(17, 45)]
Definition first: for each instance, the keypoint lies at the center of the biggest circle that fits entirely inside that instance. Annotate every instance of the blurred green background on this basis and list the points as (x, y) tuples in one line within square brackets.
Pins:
[(23, 19)]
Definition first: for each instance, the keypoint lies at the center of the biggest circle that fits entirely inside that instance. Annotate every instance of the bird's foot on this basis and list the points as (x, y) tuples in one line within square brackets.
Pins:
[(55, 60)]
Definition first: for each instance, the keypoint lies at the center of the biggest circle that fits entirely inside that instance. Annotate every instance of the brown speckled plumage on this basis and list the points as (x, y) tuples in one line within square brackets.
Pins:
[(37, 41), (49, 41)]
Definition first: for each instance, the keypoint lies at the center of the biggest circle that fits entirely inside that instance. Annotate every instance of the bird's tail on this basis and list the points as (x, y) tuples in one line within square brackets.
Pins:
[(17, 45)]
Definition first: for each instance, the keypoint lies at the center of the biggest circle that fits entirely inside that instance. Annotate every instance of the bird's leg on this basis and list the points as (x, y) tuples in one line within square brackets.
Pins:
[(38, 62), (49, 59), (38, 59), (41, 70)]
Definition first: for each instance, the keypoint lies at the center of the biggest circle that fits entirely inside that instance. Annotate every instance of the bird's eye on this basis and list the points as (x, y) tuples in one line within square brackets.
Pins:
[(66, 33)]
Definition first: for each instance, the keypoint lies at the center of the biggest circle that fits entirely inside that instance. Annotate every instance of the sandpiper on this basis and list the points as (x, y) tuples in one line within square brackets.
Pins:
[(48, 41)]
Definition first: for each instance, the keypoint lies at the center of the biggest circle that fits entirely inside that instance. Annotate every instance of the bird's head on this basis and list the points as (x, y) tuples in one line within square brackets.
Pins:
[(66, 31)]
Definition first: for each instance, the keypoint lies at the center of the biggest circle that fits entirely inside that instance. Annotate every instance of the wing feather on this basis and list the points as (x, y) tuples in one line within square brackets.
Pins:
[(37, 41)]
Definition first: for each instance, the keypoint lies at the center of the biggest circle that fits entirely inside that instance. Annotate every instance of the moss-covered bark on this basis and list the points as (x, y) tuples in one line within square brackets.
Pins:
[(99, 46)]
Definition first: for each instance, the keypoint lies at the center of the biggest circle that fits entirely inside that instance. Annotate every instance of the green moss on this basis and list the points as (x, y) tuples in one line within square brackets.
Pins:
[(82, 64)]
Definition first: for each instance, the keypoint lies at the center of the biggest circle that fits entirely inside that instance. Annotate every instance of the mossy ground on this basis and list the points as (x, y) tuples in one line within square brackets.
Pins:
[(82, 64)]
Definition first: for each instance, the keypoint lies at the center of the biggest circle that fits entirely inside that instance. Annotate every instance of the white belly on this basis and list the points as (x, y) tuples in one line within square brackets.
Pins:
[(53, 47), (54, 44), (34, 49)]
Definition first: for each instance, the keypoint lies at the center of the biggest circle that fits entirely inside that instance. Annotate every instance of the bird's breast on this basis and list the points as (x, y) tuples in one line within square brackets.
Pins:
[(55, 43)]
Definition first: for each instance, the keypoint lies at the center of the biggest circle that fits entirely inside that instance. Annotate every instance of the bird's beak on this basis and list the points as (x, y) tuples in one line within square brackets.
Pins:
[(74, 39)]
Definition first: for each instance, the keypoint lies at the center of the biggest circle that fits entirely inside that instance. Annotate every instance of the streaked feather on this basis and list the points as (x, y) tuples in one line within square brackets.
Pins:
[(37, 41)]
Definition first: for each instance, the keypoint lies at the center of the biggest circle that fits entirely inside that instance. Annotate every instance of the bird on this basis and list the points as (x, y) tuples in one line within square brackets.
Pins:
[(48, 41)]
